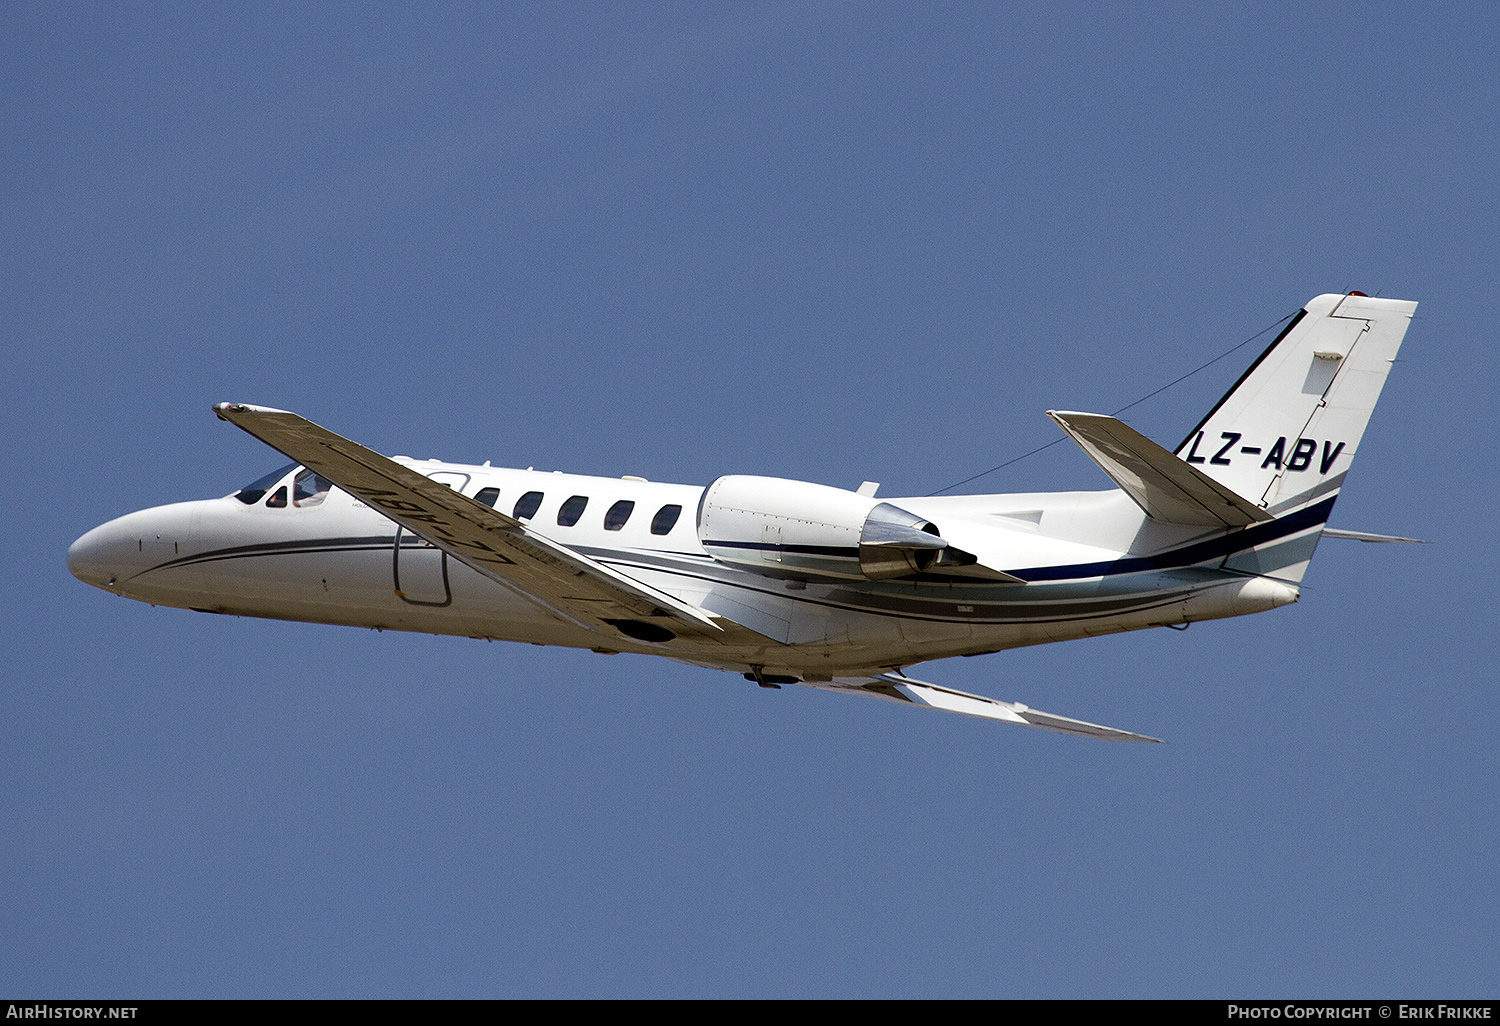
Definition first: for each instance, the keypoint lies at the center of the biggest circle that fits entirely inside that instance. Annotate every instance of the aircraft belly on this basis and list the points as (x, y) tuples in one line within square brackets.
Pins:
[(356, 590)]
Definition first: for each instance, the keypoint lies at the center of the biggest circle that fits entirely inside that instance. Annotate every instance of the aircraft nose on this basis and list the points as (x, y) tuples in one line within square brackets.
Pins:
[(122, 550), (98, 557)]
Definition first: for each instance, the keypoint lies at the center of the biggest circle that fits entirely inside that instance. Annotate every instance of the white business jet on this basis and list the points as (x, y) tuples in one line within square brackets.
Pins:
[(789, 582)]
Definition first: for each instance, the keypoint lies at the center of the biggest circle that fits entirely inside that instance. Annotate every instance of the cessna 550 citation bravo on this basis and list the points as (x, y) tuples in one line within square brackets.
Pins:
[(784, 581)]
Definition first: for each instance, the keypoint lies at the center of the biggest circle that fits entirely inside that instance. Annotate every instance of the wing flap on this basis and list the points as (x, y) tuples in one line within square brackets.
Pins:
[(896, 688), (1167, 488), (568, 583)]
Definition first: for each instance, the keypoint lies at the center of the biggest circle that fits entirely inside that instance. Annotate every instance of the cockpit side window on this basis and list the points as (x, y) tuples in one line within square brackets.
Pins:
[(251, 493), (310, 488), (277, 501)]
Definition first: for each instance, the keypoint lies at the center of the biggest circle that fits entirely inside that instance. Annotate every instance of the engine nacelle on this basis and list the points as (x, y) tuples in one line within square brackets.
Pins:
[(799, 530)]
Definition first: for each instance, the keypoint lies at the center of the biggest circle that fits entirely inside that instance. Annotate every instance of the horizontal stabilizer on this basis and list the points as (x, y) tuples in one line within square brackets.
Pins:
[(1167, 488), (1329, 532), (896, 688)]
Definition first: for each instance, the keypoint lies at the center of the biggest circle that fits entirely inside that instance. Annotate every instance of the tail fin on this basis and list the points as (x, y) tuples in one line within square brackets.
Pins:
[(1285, 434)]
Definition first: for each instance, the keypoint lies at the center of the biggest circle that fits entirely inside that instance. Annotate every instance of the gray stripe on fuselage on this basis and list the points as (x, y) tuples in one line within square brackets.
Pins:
[(1047, 602), (1317, 491)]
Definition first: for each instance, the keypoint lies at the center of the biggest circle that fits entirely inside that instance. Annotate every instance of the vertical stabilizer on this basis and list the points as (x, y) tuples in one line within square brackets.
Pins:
[(1287, 432)]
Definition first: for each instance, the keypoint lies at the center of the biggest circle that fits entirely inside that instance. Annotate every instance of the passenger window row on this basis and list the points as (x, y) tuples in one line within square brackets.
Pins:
[(309, 489), (571, 511)]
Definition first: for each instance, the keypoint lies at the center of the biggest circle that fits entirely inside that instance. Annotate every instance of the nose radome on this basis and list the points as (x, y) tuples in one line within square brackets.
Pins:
[(98, 557), (84, 562), (126, 547)]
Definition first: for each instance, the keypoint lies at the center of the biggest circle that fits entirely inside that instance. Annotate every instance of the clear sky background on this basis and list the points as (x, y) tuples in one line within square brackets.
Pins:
[(829, 242)]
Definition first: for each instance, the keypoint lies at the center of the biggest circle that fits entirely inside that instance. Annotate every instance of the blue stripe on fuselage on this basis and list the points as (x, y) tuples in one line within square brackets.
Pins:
[(1190, 555)]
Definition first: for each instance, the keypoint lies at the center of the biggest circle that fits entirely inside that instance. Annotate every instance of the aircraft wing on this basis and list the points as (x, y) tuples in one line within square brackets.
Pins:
[(581, 590), (894, 687), (1167, 488)]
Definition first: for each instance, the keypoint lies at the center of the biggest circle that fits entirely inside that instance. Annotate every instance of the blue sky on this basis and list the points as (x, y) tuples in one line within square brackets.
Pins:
[(828, 242)]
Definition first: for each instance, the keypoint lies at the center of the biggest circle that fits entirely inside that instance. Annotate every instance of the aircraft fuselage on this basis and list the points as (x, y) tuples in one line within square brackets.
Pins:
[(342, 562)]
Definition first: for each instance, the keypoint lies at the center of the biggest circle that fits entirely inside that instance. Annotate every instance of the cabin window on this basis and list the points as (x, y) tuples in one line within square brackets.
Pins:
[(569, 512), (618, 514), (278, 501), (310, 488), (527, 505), (252, 492), (487, 496), (665, 519)]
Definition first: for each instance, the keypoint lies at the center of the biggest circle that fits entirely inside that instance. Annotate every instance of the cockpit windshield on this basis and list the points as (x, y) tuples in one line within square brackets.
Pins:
[(251, 493)]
